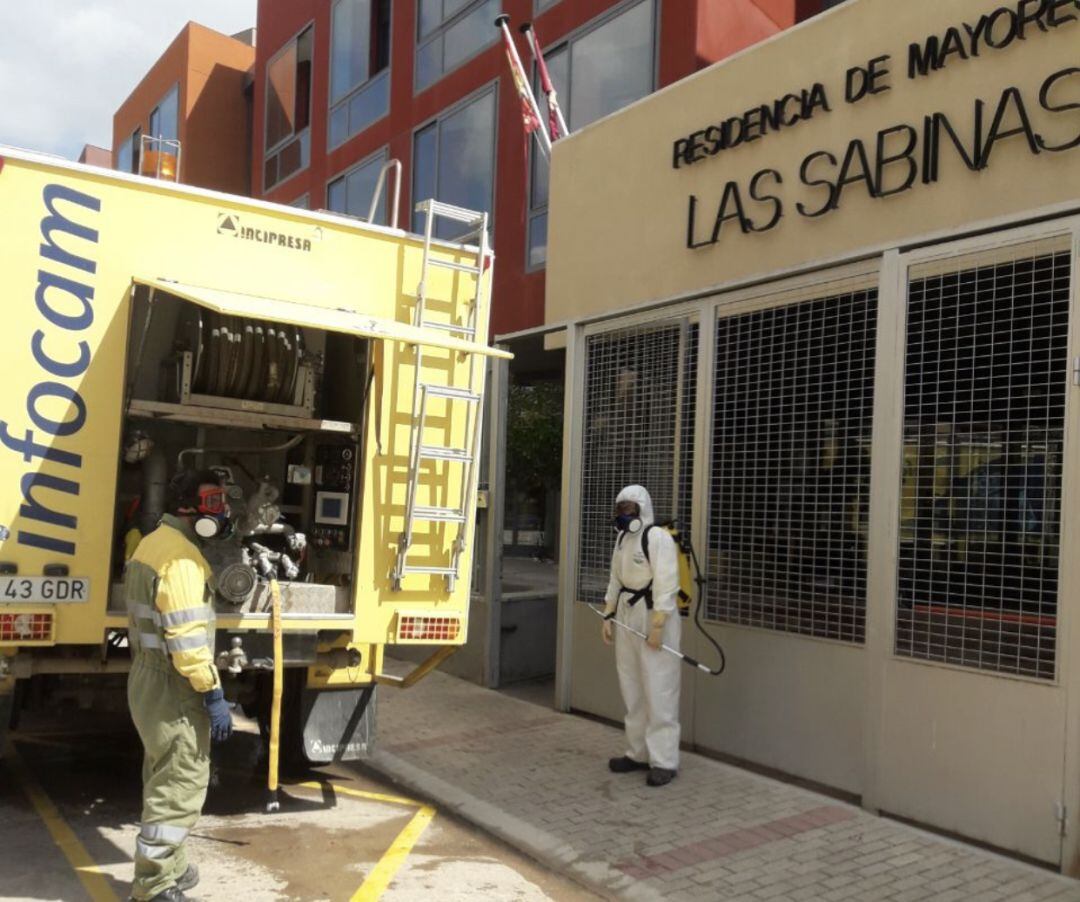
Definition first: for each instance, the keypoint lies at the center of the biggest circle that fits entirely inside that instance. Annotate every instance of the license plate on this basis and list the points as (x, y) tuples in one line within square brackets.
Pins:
[(44, 589)]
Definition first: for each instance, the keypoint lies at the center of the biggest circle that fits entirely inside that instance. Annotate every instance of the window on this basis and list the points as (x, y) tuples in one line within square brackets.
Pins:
[(541, 5), (359, 66), (164, 118), (301, 203), (790, 470), (607, 66), (351, 192), (981, 490), (127, 155), (451, 32), (454, 159), (288, 110)]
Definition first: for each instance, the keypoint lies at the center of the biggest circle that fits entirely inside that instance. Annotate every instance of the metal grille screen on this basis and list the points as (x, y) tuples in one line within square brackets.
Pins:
[(981, 487), (639, 426), (793, 407)]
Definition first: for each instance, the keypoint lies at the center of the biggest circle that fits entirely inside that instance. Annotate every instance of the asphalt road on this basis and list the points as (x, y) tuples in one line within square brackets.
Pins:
[(69, 806)]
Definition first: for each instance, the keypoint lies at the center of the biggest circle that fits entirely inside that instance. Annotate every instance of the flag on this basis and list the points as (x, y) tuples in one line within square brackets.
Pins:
[(529, 112), (556, 123)]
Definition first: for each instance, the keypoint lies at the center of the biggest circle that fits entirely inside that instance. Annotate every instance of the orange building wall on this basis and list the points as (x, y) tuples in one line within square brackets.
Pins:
[(217, 117), (135, 111), (214, 126), (725, 28)]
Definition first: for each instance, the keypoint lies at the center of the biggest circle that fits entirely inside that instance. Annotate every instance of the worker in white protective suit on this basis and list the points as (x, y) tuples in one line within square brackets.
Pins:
[(642, 595)]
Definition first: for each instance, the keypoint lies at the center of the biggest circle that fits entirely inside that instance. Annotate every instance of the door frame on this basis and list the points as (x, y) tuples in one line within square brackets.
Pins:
[(885, 499)]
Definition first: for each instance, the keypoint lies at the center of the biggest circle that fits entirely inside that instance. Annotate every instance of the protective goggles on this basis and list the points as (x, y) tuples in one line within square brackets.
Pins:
[(212, 501)]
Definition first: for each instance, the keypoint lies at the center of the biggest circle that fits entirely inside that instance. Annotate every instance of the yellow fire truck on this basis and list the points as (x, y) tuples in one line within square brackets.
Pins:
[(331, 371)]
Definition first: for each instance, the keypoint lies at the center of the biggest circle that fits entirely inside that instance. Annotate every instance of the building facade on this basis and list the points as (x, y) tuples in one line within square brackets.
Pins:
[(189, 119), (833, 329), (92, 155), (342, 87)]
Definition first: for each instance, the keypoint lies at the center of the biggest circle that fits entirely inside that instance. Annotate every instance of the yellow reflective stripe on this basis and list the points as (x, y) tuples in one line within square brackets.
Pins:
[(185, 615), (188, 642)]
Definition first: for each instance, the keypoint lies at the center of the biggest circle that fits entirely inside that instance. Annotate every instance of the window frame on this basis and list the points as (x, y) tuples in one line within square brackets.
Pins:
[(157, 111), (133, 143), (567, 41), (269, 152), (347, 98), (438, 34), (383, 155), (439, 117)]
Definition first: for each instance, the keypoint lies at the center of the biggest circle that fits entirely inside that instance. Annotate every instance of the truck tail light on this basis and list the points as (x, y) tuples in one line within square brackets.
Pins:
[(428, 628), (26, 627)]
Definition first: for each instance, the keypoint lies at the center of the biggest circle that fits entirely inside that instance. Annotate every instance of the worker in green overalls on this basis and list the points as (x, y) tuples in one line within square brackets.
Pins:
[(174, 689)]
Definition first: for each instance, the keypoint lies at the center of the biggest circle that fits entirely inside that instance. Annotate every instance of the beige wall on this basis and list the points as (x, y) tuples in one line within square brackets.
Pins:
[(619, 209), (977, 753)]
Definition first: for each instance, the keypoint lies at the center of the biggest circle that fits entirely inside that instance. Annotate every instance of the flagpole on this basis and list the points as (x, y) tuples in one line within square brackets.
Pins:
[(548, 84), (526, 83)]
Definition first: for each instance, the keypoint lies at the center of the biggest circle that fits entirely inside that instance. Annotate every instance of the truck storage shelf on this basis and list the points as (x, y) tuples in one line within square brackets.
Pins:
[(210, 416)]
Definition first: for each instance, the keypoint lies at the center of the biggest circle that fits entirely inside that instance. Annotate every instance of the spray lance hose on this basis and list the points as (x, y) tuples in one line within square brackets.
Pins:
[(699, 580)]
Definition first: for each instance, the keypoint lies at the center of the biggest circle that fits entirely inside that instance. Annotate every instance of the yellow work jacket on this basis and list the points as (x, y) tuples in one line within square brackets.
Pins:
[(168, 587)]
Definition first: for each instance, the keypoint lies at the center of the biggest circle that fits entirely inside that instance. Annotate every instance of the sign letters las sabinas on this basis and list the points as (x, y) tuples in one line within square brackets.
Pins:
[(902, 156)]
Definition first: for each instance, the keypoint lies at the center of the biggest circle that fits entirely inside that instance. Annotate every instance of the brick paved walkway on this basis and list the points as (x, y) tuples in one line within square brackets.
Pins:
[(539, 780)]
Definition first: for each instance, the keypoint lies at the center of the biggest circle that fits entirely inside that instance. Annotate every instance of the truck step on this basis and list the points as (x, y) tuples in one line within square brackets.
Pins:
[(449, 211), (457, 267), (435, 452), (439, 514), (448, 391), (456, 328)]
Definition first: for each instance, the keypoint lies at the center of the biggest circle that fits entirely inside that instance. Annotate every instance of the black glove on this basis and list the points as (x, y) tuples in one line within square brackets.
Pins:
[(220, 717)]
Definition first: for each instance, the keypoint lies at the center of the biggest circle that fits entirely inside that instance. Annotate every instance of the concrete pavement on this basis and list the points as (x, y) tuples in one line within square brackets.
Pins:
[(539, 780)]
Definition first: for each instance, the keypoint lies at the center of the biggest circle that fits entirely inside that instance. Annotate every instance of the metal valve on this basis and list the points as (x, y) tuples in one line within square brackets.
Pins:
[(235, 659)]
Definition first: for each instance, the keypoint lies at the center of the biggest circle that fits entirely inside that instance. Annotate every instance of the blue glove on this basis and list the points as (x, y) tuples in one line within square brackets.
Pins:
[(220, 716)]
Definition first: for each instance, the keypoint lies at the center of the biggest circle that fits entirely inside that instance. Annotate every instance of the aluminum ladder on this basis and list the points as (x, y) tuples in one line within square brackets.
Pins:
[(467, 456)]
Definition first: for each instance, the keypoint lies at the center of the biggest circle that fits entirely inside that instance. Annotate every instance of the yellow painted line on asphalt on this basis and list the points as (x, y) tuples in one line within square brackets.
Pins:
[(359, 793), (379, 879), (85, 868)]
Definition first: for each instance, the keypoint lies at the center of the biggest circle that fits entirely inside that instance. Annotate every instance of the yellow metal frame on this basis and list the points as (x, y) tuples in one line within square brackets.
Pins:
[(420, 671)]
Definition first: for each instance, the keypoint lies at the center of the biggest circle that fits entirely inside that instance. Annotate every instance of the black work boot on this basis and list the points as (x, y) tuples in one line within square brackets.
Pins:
[(189, 879), (660, 776), (172, 894), (625, 765)]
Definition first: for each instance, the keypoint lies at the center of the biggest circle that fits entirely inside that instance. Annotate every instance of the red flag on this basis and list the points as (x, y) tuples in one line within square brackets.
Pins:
[(556, 123), (529, 116)]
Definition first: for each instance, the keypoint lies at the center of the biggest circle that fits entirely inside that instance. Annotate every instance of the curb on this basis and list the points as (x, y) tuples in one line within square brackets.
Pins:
[(545, 848)]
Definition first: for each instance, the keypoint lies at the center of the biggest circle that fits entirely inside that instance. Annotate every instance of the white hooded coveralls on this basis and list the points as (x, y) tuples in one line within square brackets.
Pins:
[(649, 679)]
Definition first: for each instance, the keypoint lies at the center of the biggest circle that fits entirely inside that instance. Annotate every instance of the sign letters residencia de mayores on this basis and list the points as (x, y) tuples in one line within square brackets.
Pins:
[(900, 157)]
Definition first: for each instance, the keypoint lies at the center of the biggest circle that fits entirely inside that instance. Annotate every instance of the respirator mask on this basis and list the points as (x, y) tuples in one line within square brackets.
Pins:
[(212, 519), (630, 523)]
